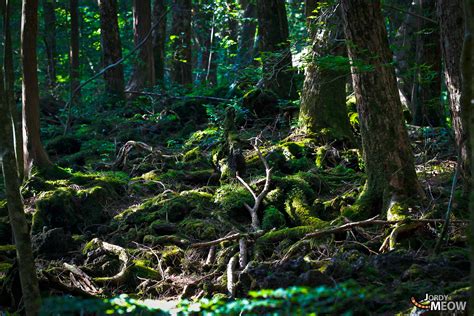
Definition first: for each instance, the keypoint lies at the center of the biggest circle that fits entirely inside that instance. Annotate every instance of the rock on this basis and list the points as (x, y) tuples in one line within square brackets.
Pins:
[(163, 228), (313, 278), (53, 242)]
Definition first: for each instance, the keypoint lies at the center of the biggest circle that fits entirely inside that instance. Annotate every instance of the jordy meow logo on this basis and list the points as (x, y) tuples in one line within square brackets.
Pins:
[(439, 303)]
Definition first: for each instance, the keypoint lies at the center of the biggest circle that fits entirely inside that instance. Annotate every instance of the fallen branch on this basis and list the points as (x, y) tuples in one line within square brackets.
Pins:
[(375, 221), (257, 198), (228, 238), (231, 275), (124, 272)]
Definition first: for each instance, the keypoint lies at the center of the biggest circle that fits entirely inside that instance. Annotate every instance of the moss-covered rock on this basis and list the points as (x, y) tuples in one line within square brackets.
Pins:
[(232, 198), (199, 229), (299, 210), (273, 218)]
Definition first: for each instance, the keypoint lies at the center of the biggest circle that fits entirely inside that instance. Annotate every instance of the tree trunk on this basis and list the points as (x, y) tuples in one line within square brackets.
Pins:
[(388, 157), (50, 40), (248, 30), (9, 85), (74, 46), (26, 264), (323, 100), (111, 47), (468, 101), (144, 68), (275, 48), (451, 23), (35, 155), (181, 43), (427, 109), (159, 39)]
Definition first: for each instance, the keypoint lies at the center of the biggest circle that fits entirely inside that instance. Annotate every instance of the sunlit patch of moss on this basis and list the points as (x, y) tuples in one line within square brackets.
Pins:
[(198, 229), (273, 218)]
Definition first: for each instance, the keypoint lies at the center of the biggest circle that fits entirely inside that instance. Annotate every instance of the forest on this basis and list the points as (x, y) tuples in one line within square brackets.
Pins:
[(236, 157)]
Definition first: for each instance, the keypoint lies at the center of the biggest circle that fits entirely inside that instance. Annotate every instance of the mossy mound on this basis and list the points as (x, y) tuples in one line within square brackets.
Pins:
[(76, 202), (273, 218), (231, 198)]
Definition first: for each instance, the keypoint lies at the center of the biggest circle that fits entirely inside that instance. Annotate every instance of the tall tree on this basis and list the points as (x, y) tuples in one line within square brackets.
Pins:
[(426, 98), (9, 86), (111, 47), (144, 68), (247, 32), (323, 99), (468, 101), (74, 46), (388, 157), (49, 32), (275, 48), (21, 233), (182, 71), (159, 38), (35, 155), (451, 21)]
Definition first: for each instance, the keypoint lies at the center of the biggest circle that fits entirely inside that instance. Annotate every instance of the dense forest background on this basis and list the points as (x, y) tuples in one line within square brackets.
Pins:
[(235, 156)]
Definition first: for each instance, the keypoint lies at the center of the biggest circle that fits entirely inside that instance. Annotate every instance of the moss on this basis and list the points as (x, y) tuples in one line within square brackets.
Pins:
[(55, 209), (273, 218), (193, 154), (7, 248), (267, 243), (142, 269), (3, 208), (172, 255), (298, 209), (198, 229), (231, 198), (5, 266)]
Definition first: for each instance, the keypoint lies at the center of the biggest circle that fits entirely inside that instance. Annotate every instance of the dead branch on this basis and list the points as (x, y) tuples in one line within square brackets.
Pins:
[(86, 284), (122, 155), (243, 253), (375, 221), (236, 236), (257, 198), (211, 256), (231, 275)]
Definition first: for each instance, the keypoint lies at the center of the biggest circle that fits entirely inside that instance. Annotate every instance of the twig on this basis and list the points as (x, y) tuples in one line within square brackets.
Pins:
[(227, 238), (375, 221), (258, 198)]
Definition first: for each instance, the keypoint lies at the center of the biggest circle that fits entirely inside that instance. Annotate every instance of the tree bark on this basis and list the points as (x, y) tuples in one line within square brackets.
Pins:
[(35, 155), (144, 68), (181, 44), (50, 40), (451, 21), (74, 46), (323, 100), (111, 47), (426, 104), (275, 48), (9, 85), (388, 157), (159, 39), (248, 29), (26, 264)]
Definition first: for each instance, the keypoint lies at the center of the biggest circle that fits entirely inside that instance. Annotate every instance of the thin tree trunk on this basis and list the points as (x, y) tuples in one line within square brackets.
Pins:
[(35, 155), (427, 109), (388, 157), (323, 109), (9, 85), (111, 47), (204, 27), (159, 39), (26, 264), (181, 44), (144, 68), (50, 40), (74, 46), (275, 48), (451, 21)]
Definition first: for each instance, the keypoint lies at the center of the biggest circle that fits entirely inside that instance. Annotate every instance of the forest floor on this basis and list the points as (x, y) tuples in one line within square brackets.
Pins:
[(141, 192)]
